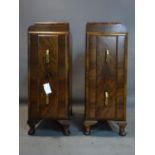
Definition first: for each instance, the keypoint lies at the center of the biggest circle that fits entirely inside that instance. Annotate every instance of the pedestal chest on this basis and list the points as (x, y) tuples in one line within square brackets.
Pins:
[(106, 74), (48, 74)]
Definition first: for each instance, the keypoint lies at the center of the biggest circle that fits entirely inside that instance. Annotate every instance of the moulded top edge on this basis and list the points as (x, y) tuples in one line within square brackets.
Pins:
[(105, 23), (52, 22), (48, 32), (106, 33)]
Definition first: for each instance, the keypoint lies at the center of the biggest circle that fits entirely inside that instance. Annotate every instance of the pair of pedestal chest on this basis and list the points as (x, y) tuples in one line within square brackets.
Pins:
[(49, 82)]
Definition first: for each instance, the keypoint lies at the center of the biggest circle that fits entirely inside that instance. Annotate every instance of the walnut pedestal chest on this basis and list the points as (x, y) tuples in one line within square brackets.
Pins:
[(106, 75), (48, 74)]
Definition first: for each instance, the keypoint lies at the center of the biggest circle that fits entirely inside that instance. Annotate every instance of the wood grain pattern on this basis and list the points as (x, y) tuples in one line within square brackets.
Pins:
[(91, 76), (49, 27), (63, 83), (33, 111), (105, 27), (106, 77), (120, 79)]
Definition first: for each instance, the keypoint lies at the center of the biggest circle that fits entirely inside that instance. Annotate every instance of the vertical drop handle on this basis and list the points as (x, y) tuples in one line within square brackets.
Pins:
[(107, 53), (47, 56), (106, 98), (47, 99)]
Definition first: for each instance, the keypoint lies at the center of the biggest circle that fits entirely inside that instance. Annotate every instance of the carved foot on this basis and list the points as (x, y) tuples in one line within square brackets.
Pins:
[(65, 126), (32, 124), (31, 131), (66, 130), (71, 111), (87, 130), (87, 126), (122, 126)]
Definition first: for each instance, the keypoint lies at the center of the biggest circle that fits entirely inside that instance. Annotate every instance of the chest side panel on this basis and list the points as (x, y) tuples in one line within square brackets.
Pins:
[(63, 68), (33, 73), (121, 77), (91, 77)]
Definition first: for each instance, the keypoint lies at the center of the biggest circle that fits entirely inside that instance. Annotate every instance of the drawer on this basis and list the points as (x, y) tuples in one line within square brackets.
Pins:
[(106, 56)]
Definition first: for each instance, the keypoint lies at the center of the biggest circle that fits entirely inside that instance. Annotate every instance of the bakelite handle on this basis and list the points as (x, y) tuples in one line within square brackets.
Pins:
[(47, 99), (106, 98), (107, 53), (47, 56)]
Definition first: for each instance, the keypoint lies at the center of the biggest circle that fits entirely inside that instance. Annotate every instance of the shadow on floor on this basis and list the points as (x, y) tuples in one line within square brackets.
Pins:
[(50, 128), (53, 128)]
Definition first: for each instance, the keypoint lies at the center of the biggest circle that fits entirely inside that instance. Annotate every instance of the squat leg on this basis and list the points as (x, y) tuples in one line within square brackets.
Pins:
[(122, 126), (65, 125), (32, 124), (87, 127)]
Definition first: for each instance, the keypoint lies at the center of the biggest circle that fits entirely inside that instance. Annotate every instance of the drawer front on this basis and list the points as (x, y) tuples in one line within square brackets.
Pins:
[(105, 77), (53, 70)]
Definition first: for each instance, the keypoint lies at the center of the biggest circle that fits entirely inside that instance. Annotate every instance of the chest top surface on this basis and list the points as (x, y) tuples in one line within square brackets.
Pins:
[(112, 27), (49, 27)]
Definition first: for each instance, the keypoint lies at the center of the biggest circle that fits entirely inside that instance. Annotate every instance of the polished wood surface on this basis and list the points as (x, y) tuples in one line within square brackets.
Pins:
[(106, 73), (55, 71), (49, 27)]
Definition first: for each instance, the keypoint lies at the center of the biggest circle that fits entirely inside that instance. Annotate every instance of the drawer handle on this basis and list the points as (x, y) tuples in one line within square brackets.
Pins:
[(47, 99), (107, 53), (47, 56), (106, 98)]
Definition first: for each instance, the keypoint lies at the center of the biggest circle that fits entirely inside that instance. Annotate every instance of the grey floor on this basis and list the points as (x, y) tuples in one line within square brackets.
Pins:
[(49, 140)]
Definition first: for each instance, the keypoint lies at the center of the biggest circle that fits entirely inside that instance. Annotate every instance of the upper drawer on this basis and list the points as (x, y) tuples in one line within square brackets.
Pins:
[(106, 55), (102, 54), (106, 49)]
